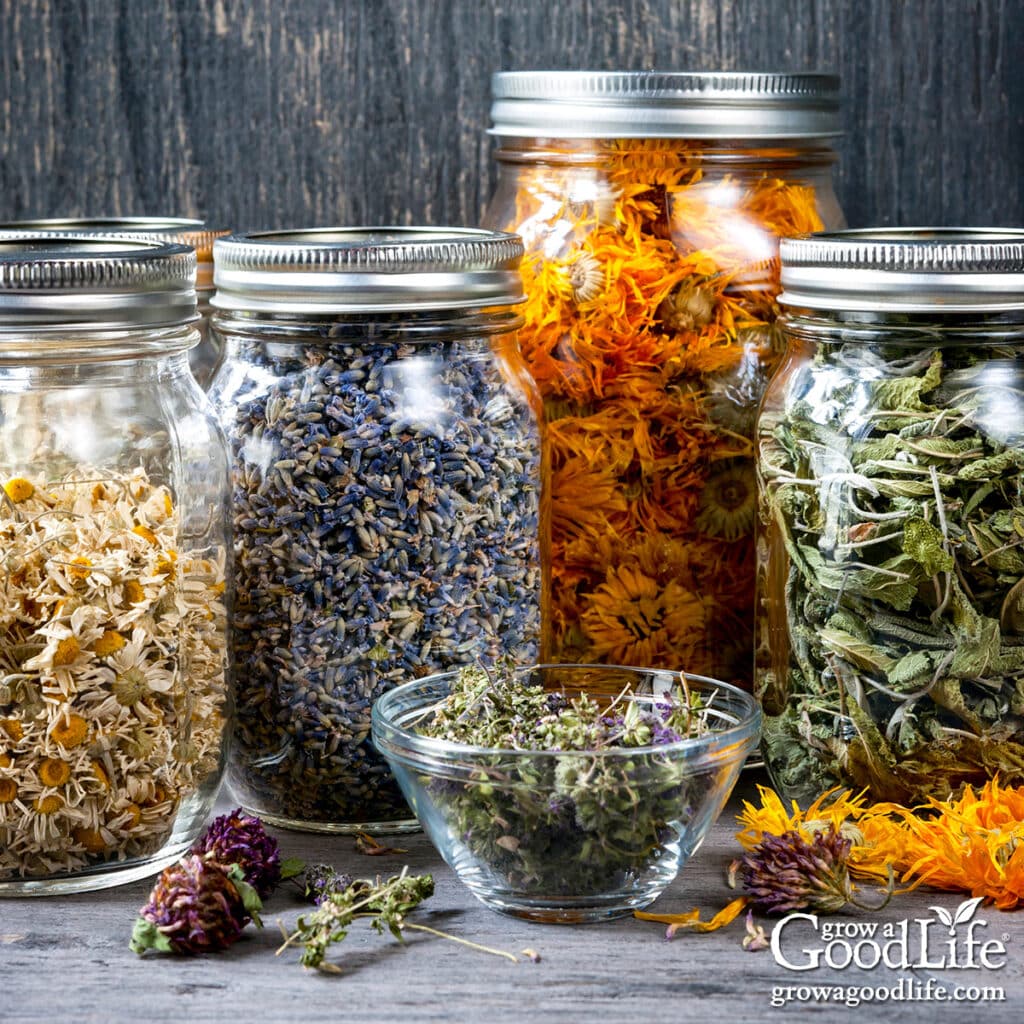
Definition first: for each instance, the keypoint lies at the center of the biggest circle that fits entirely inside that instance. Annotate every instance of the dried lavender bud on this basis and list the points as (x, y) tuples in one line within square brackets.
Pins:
[(195, 907), (786, 873), (241, 839)]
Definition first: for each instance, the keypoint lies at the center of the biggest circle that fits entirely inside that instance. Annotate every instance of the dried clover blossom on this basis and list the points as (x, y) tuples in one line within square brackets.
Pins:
[(787, 872), (238, 838), (196, 906)]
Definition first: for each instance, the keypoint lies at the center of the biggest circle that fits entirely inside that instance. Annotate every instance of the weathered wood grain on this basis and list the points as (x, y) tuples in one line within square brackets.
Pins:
[(67, 960), (269, 113)]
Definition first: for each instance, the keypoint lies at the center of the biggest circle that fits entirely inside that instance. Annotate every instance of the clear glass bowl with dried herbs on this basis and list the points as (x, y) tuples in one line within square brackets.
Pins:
[(566, 793), (113, 564), (891, 554)]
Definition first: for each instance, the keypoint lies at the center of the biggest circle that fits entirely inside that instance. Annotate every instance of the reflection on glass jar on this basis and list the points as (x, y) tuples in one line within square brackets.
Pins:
[(386, 495), (891, 571), (113, 707), (651, 275)]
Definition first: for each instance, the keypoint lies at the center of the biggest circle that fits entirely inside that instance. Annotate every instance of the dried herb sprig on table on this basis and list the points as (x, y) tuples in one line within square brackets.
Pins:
[(893, 500), (573, 824), (340, 900), (385, 903)]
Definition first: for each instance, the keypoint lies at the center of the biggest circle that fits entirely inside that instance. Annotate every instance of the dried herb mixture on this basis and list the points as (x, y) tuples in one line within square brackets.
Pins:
[(891, 651), (580, 822), (111, 670)]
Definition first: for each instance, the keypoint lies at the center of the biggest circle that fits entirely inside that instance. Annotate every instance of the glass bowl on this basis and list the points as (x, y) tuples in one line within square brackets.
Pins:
[(569, 836)]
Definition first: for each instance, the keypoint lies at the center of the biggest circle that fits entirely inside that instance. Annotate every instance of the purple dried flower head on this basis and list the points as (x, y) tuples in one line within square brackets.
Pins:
[(195, 907), (322, 881), (662, 734), (786, 873), (241, 839), (556, 702)]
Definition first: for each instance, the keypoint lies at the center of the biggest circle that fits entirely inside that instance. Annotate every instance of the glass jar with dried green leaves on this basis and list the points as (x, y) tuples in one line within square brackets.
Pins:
[(890, 649), (113, 554)]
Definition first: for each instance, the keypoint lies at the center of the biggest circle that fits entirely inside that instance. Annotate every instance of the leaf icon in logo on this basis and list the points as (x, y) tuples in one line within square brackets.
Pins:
[(963, 913), (966, 910)]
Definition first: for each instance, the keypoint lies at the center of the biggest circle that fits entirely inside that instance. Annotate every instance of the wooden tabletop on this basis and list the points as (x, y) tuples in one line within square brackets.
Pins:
[(67, 959)]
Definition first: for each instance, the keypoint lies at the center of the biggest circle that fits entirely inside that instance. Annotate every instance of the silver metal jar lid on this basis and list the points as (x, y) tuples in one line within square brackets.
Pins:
[(171, 229), (656, 104), (365, 270), (94, 281), (911, 270)]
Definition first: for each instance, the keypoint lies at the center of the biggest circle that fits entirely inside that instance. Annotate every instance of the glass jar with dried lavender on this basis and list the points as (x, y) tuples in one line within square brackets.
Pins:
[(651, 205), (386, 495), (891, 554), (204, 357), (113, 548)]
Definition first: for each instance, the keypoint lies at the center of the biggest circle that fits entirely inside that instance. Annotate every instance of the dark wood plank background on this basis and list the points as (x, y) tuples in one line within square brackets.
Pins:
[(275, 113)]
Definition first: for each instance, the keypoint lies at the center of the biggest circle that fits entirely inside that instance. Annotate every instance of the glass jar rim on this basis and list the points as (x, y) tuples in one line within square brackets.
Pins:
[(909, 270), (367, 270), (665, 104), (740, 722)]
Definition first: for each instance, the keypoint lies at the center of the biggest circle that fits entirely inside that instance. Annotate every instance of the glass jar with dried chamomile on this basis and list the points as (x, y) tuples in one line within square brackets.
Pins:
[(651, 205), (891, 552), (113, 548)]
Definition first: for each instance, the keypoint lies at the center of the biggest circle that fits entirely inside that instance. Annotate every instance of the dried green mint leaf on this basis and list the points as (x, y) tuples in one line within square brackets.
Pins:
[(925, 544), (911, 671), (856, 651)]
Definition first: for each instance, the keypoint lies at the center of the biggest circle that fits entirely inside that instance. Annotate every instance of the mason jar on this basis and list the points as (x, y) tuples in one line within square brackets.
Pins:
[(385, 495), (651, 205), (203, 357), (113, 497), (890, 652)]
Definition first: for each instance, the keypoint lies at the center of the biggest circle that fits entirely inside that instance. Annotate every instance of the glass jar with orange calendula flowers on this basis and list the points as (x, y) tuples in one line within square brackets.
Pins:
[(113, 563), (651, 206)]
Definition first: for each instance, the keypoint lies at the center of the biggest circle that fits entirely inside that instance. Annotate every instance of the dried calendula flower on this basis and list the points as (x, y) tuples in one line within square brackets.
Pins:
[(586, 277), (851, 816), (691, 919), (689, 307), (973, 843)]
